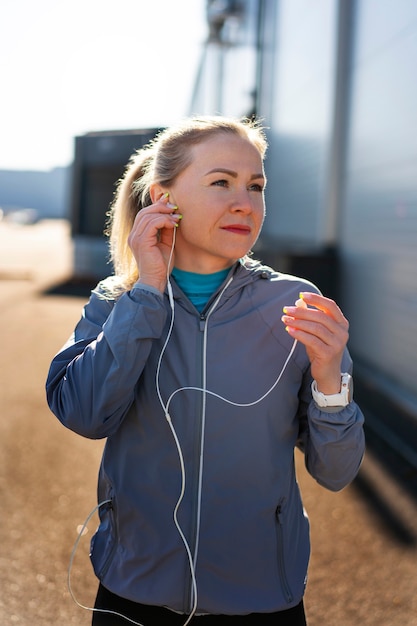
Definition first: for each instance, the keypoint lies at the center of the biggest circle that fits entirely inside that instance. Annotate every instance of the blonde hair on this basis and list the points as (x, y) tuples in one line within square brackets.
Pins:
[(162, 161)]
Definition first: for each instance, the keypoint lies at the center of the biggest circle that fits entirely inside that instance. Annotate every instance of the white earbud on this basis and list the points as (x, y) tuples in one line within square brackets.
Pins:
[(301, 304)]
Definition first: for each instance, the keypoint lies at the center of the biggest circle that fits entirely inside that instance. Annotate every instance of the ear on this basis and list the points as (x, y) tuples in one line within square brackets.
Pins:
[(156, 191)]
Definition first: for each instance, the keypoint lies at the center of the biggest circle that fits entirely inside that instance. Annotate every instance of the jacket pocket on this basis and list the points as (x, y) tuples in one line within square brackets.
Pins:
[(280, 531), (104, 542)]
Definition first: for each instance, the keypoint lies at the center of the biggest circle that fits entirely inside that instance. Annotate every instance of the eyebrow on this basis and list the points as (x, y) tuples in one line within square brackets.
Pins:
[(232, 173)]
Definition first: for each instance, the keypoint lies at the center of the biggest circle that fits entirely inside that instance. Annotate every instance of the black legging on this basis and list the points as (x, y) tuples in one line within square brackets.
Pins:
[(158, 616)]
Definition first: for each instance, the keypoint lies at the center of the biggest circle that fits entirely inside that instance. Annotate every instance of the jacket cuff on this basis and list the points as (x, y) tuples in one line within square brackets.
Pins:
[(330, 409), (148, 288)]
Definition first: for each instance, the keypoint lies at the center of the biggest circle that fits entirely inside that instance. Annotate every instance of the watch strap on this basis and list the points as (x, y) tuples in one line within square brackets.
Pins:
[(341, 399)]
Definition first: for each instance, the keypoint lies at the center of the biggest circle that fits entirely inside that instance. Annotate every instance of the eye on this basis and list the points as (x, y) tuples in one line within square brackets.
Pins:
[(222, 182), (256, 187)]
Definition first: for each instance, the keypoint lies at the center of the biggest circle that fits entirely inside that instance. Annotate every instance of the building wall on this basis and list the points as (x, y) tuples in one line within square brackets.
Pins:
[(299, 76), (378, 229)]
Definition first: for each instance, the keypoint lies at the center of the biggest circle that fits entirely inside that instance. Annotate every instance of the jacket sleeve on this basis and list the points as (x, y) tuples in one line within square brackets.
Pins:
[(333, 441), (91, 381)]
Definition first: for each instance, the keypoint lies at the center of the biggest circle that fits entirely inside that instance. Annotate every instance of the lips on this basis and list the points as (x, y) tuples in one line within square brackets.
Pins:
[(239, 229)]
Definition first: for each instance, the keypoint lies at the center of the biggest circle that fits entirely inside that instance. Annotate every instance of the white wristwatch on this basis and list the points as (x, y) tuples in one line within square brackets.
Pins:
[(336, 399)]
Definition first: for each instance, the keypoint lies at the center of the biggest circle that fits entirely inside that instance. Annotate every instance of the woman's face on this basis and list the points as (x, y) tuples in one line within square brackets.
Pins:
[(221, 197)]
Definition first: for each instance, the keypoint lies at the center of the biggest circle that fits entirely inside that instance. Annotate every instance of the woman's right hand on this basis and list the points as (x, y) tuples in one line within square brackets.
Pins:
[(151, 240)]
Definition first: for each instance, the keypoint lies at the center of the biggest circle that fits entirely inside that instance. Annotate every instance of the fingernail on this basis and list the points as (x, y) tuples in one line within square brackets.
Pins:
[(285, 309)]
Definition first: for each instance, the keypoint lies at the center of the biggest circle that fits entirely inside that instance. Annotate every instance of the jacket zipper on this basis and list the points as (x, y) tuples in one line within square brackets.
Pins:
[(111, 513), (196, 510), (189, 592), (280, 547)]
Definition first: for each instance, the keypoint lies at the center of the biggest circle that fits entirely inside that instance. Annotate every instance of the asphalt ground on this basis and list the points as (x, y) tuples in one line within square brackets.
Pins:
[(363, 569)]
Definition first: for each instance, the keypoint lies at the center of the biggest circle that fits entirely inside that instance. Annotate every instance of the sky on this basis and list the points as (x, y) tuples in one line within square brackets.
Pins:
[(68, 67)]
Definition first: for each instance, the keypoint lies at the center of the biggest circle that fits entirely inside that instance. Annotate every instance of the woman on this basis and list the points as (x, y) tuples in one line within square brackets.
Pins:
[(185, 363)]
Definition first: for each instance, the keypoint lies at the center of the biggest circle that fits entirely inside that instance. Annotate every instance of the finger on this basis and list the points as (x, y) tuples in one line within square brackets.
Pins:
[(160, 208), (164, 201), (324, 304), (296, 315), (313, 343), (310, 332), (315, 323), (150, 228)]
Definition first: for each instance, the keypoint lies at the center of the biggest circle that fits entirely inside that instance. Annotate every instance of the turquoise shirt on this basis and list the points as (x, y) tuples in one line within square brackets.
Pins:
[(199, 287)]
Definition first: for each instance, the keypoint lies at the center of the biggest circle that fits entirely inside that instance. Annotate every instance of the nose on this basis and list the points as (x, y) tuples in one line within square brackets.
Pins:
[(242, 201)]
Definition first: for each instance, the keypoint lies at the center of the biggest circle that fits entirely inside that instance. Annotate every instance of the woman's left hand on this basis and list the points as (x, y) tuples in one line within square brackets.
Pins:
[(324, 331)]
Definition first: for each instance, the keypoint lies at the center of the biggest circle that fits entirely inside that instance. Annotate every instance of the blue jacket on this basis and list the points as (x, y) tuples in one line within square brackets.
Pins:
[(241, 513)]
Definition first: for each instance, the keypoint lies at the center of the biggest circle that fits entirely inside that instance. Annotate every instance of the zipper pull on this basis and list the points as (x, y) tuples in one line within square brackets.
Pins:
[(278, 511), (202, 322)]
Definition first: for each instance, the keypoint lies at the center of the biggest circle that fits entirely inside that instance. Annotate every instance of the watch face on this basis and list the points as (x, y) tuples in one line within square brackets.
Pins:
[(347, 385)]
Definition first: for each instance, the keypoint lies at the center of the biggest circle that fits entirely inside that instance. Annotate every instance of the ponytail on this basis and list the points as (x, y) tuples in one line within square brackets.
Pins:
[(132, 194)]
